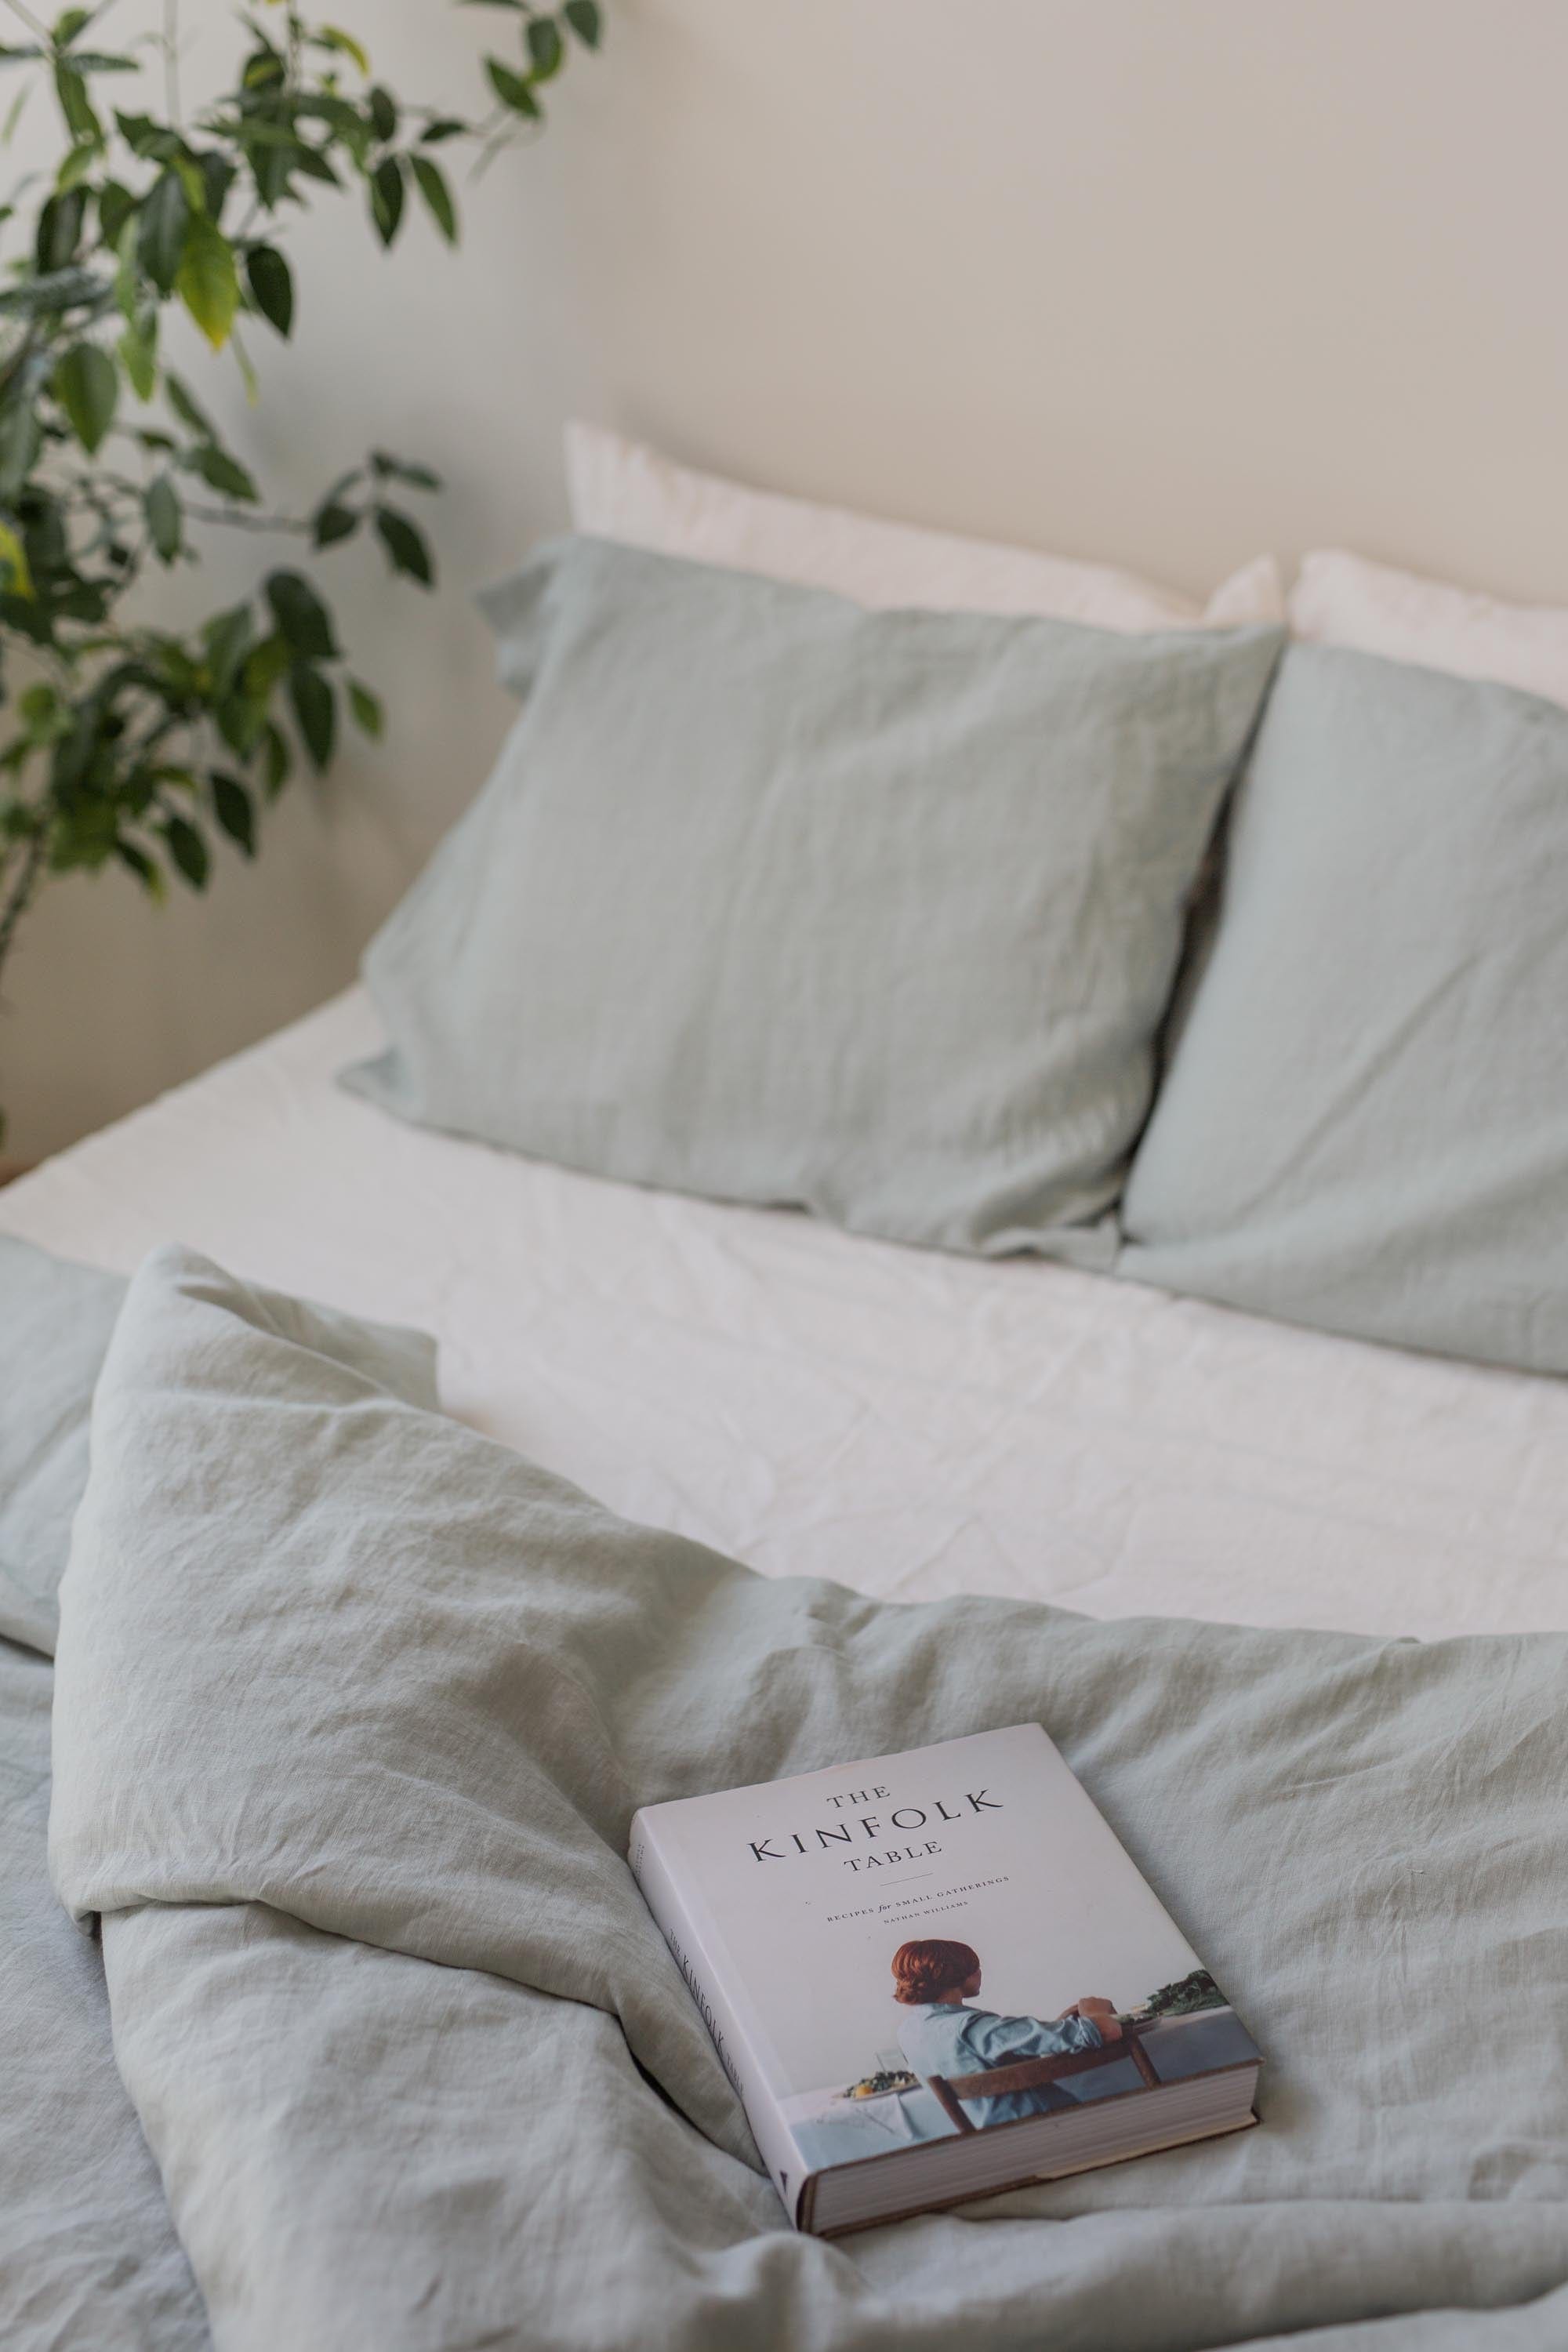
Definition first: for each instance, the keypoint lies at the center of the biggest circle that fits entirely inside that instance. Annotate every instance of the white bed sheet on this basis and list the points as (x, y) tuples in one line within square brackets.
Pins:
[(913, 1424)]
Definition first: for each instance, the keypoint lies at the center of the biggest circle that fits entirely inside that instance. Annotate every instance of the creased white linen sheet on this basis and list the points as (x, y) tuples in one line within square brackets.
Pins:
[(910, 1424)]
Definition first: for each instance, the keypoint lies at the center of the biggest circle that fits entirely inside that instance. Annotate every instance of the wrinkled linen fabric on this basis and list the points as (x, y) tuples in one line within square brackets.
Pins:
[(1364, 1122), (88, 2259), (773, 899), (54, 1322), (1341, 599), (913, 1424), (89, 2256), (624, 490), (355, 1708)]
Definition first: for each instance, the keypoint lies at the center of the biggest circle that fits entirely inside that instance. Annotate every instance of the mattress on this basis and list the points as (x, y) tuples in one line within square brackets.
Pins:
[(913, 1424)]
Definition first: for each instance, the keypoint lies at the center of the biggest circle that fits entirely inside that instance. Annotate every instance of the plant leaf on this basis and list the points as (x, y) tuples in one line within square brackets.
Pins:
[(218, 175), (21, 444), (314, 164), (302, 619), (76, 164), (223, 472), (193, 418), (386, 197), (75, 103), (271, 166), (14, 554), (332, 37), (227, 637), (511, 89), (418, 478), (272, 285), (60, 231), (264, 667), (141, 864), (437, 195), (239, 722), (91, 61), (234, 809), (406, 544), (585, 21), (316, 710), (334, 522), (144, 137), (188, 851), (138, 348), (162, 504), (276, 761), (162, 223), (264, 68), (383, 113), (129, 288), (366, 708), (115, 206), (86, 386), (168, 772), (545, 47), (191, 179), (207, 282)]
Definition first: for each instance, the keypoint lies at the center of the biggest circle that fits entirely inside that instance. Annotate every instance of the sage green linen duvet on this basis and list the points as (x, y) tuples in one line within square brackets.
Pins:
[(88, 2258), (354, 1707)]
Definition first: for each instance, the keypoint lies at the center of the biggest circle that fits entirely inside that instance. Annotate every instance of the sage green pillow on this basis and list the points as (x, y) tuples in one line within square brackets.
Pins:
[(1364, 1124), (777, 899)]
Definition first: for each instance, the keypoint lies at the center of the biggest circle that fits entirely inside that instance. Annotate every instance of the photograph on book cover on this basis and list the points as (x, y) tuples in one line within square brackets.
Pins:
[(945, 1942)]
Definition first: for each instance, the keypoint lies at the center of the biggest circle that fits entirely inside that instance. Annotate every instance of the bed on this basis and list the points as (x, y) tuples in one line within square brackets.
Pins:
[(309, 2037), (446, 1505), (910, 1424)]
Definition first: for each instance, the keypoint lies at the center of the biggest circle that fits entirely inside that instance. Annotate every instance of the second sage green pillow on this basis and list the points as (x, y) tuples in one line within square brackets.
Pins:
[(1364, 1124), (777, 899)]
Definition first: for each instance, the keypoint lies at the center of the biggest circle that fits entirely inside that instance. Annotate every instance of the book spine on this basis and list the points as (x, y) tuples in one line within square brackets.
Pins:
[(698, 1965)]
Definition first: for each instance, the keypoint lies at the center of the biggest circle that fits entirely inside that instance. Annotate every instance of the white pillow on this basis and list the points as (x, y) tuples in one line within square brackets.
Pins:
[(1341, 599), (620, 489)]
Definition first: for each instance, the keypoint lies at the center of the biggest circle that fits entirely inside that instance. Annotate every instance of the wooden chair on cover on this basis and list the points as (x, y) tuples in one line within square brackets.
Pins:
[(949, 2091)]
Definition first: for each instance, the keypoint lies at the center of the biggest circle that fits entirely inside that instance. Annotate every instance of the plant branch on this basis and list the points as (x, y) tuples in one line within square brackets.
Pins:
[(171, 59), (245, 520), (34, 23), (18, 898)]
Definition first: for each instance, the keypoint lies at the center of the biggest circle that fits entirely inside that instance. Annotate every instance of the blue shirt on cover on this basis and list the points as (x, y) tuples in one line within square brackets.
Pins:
[(949, 2038)]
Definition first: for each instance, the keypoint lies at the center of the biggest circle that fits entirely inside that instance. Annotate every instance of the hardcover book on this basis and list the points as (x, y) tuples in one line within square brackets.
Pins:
[(934, 1976)]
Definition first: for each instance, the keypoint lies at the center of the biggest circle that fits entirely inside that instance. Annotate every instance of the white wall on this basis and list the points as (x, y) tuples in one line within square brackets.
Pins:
[(1161, 283)]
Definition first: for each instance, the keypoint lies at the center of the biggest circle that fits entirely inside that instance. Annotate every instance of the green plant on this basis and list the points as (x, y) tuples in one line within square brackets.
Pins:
[(1196, 1991), (133, 744)]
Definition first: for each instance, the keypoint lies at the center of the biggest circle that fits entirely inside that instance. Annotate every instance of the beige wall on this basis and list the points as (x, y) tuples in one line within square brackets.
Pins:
[(1161, 281)]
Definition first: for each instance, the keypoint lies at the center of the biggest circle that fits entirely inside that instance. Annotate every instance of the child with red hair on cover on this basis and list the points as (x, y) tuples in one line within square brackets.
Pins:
[(936, 1980)]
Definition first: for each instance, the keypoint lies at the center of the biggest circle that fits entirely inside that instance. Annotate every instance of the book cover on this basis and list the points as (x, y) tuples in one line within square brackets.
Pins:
[(944, 1954)]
